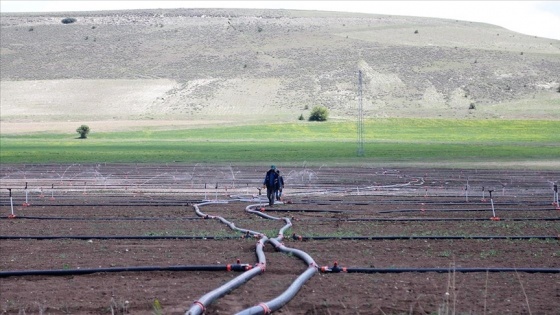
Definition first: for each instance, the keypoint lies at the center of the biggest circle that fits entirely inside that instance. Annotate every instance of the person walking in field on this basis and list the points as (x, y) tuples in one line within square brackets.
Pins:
[(279, 185), (270, 182)]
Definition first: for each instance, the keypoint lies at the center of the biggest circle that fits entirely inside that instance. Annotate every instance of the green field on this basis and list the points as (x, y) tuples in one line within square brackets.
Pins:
[(414, 141)]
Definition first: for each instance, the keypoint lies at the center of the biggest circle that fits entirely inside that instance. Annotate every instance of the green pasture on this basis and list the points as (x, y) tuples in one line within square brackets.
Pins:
[(422, 141)]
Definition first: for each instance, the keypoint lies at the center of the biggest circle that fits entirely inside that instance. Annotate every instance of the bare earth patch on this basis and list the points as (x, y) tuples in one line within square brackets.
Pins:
[(155, 203), (14, 127)]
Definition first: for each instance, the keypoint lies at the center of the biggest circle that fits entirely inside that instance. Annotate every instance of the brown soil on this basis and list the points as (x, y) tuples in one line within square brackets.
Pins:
[(327, 202)]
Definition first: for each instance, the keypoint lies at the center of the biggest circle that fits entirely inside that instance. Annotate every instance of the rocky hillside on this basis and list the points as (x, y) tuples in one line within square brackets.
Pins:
[(269, 65)]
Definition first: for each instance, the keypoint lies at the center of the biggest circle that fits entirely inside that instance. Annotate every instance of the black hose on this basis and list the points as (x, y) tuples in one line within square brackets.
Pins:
[(323, 219), (417, 219), (66, 272), (460, 210), (294, 236), (438, 270), (86, 237), (475, 237), (106, 218)]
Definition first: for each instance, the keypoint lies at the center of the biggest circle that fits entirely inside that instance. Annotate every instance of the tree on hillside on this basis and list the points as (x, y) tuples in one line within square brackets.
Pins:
[(83, 130), (319, 113)]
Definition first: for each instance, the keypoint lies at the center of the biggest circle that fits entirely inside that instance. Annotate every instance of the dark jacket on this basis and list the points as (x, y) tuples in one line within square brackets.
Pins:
[(280, 183), (271, 179)]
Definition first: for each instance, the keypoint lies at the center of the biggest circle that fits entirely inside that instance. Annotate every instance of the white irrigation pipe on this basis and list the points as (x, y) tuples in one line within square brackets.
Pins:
[(467, 191), (276, 303), (494, 217), (12, 215), (555, 200), (199, 306)]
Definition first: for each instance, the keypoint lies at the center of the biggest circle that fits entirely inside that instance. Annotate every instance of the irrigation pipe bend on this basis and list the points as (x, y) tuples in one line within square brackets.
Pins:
[(286, 296), (199, 306)]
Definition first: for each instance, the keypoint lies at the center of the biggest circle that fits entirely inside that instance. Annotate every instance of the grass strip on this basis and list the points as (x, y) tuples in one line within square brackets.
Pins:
[(386, 140)]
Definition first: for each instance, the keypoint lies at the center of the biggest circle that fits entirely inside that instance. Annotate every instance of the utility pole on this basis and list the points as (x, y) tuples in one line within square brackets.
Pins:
[(360, 116)]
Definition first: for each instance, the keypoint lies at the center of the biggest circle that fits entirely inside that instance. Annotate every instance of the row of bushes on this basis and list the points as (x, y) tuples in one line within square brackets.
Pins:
[(318, 113)]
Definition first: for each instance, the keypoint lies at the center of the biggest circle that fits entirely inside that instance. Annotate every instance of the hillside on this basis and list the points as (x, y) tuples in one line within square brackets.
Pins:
[(187, 66)]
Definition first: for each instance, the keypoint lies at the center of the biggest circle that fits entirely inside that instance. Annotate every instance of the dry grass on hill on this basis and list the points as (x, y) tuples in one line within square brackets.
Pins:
[(238, 66)]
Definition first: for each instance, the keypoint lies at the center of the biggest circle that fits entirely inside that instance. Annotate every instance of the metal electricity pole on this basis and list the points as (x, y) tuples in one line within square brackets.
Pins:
[(360, 116)]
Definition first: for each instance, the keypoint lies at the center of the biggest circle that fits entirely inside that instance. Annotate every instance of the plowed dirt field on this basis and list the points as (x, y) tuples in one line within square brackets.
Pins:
[(412, 241)]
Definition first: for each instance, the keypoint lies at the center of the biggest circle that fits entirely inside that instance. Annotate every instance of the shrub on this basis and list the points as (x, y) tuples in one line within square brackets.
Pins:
[(472, 106), (319, 113), (558, 89), (68, 20), (83, 130), (301, 117)]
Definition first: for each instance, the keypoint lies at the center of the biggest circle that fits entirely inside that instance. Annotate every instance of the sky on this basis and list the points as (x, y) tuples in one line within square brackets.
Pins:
[(537, 18)]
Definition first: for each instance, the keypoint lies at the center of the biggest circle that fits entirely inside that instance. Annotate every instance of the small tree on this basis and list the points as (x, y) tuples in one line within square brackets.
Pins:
[(83, 130), (319, 113)]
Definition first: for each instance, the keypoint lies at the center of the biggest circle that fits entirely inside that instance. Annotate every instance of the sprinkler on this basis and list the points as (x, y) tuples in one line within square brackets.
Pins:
[(52, 192), (26, 203), (467, 191), (260, 199), (494, 217), (555, 199), (12, 215)]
